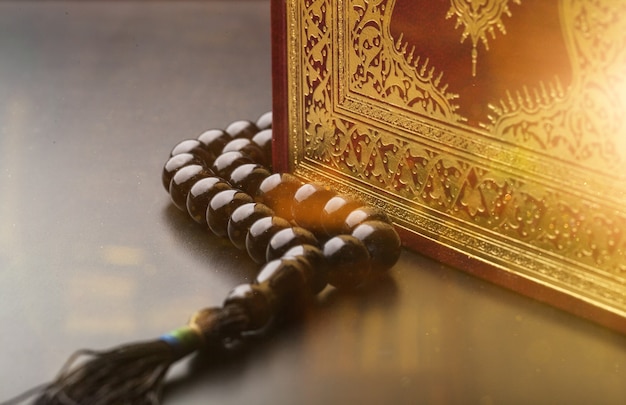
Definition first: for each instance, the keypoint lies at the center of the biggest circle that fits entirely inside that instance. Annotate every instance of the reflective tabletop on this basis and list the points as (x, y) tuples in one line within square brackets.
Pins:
[(93, 96)]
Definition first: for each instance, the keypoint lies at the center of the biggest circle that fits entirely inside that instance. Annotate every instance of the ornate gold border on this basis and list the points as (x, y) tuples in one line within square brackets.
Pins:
[(495, 193)]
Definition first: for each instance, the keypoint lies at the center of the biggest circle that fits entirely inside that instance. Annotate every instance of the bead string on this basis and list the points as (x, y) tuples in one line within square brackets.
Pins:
[(305, 235)]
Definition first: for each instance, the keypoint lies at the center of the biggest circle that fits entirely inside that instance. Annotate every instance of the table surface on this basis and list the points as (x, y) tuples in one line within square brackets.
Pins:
[(92, 253)]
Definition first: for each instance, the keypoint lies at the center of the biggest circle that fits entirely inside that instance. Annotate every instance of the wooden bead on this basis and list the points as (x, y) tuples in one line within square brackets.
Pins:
[(182, 182), (175, 163), (248, 177), (264, 121), (260, 234), (286, 278), (277, 192), (263, 139), (247, 148), (382, 243), (348, 261), (308, 203), (315, 258), (255, 301), (229, 161), (335, 212), (361, 215), (221, 208), (242, 129), (196, 148), (201, 194), (214, 140), (285, 239), (242, 219)]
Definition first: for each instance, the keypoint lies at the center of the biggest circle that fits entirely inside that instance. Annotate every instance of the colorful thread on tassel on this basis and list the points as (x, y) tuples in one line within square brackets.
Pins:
[(183, 340)]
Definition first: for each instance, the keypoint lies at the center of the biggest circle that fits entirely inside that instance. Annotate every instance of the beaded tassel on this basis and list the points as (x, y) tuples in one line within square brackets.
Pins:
[(305, 236)]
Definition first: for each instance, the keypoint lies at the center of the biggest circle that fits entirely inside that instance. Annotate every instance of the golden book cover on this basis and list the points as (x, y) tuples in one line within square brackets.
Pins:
[(493, 132)]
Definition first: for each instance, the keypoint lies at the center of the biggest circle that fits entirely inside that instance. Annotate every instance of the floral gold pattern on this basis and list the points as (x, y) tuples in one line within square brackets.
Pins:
[(479, 18), (539, 191)]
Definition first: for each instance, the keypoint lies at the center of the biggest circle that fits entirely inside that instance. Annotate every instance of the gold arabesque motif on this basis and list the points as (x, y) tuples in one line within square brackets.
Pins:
[(479, 18), (537, 191)]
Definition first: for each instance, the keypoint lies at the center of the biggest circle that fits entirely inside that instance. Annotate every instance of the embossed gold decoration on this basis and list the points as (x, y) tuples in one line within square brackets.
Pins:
[(538, 191), (478, 18)]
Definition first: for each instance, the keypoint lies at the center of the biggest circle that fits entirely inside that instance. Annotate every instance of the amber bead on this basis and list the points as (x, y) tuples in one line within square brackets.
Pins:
[(264, 121), (229, 161), (348, 261), (361, 215), (221, 208), (196, 148), (277, 192), (315, 258), (254, 300), (214, 140), (308, 202), (248, 148), (285, 239), (382, 242), (242, 218), (201, 194), (286, 278), (182, 182), (242, 129), (248, 177), (263, 139), (174, 164), (259, 236), (335, 212)]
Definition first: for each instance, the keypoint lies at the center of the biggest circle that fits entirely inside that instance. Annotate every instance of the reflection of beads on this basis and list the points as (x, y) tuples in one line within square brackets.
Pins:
[(306, 234)]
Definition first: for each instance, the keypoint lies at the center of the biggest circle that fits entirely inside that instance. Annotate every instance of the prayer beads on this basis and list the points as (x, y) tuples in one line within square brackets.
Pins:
[(305, 235)]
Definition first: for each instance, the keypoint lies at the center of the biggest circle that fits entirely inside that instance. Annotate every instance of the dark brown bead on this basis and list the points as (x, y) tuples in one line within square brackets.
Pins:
[(348, 261), (248, 148), (242, 218), (382, 243), (242, 129), (260, 234), (201, 194), (277, 192), (264, 121), (361, 215), (229, 161), (174, 164), (286, 278), (335, 212), (255, 302), (285, 239), (182, 182), (308, 202), (221, 208), (196, 148), (315, 258), (214, 140), (248, 177), (264, 140)]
